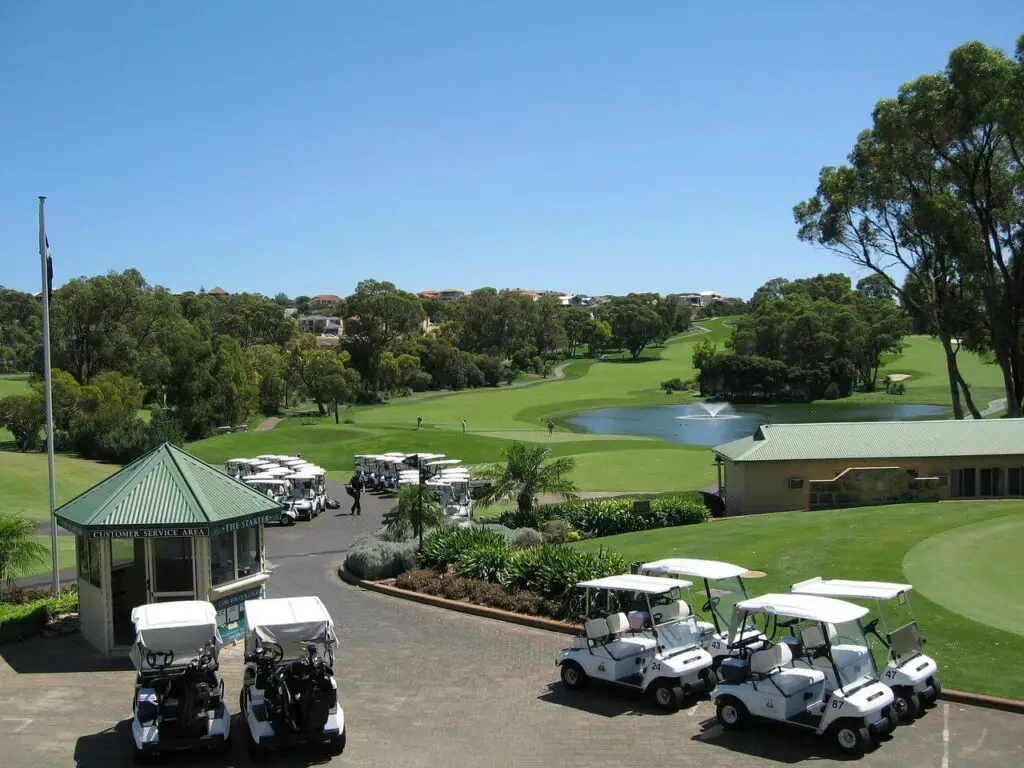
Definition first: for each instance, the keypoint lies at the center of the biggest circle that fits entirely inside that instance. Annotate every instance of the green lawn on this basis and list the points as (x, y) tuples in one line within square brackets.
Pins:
[(871, 543), (24, 483), (67, 556)]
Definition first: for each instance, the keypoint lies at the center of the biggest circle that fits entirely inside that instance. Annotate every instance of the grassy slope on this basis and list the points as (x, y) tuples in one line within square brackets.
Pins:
[(868, 543), (11, 384), (24, 486), (66, 550)]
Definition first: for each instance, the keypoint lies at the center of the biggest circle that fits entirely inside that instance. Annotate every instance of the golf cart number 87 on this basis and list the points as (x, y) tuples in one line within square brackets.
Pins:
[(837, 704)]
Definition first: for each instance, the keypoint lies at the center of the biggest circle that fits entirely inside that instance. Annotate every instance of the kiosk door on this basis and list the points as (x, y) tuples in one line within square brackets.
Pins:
[(171, 571)]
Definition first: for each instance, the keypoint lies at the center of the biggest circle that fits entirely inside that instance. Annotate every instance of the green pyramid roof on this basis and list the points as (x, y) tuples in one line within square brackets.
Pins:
[(166, 492)]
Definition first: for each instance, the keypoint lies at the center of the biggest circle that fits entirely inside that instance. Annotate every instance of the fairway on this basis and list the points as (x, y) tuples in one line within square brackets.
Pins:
[(65, 550), (24, 481), (956, 569), (871, 543)]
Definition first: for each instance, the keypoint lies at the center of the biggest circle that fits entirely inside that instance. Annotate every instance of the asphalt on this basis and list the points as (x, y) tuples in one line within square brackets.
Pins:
[(426, 687)]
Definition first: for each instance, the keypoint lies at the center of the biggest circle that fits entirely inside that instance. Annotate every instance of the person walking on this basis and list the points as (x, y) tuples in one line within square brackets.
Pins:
[(355, 490), (551, 427), (419, 423), (463, 426)]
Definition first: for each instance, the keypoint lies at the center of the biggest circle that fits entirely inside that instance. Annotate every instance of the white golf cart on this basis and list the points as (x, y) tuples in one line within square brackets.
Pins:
[(304, 500), (289, 694), (320, 475), (276, 488), (179, 697), (234, 466), (913, 676), (766, 685), (660, 656), (721, 586)]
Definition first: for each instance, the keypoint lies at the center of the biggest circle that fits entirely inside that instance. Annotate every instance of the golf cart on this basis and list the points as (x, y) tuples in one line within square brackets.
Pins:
[(234, 466), (320, 476), (662, 657), (276, 488), (179, 697), (764, 684), (304, 501), (913, 676), (289, 694), (722, 586)]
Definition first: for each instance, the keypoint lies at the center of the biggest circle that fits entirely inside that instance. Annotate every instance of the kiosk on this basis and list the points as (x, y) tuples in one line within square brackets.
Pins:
[(166, 527)]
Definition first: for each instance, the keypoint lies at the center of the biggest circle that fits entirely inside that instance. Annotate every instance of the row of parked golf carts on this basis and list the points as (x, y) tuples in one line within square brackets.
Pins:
[(288, 694), (452, 482), (809, 659), (299, 486)]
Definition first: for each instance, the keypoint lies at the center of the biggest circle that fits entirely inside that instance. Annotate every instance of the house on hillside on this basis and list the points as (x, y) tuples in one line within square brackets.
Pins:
[(853, 464), (324, 301), (701, 298), (322, 325), (217, 291)]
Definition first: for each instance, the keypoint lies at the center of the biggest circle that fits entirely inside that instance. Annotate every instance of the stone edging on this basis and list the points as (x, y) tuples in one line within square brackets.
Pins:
[(959, 697), (486, 612)]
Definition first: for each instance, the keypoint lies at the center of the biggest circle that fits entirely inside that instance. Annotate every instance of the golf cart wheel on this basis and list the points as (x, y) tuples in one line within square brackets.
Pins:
[(709, 677), (732, 714), (907, 706), (573, 676), (255, 750), (337, 744), (936, 692), (225, 746), (140, 757), (667, 695), (851, 737)]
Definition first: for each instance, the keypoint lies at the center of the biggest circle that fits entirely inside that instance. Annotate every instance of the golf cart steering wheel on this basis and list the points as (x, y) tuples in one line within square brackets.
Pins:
[(710, 605), (276, 651), (167, 657)]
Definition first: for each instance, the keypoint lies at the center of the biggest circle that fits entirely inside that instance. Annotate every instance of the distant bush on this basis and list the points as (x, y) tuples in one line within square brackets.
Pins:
[(455, 587), (607, 517), (832, 391), (558, 532), (524, 538), (370, 557), (675, 385), (24, 613), (443, 546)]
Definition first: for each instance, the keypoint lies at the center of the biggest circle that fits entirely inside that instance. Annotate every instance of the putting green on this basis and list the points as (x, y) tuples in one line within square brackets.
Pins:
[(974, 570)]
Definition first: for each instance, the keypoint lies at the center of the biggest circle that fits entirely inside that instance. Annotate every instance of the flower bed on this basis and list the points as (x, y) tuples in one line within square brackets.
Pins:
[(455, 587), (607, 517)]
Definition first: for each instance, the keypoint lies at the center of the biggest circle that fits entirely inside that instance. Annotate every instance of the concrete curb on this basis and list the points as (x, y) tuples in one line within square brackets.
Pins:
[(456, 605), (958, 697)]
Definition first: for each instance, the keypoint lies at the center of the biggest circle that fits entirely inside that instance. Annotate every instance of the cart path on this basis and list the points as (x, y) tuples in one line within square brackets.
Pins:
[(269, 423), (994, 406)]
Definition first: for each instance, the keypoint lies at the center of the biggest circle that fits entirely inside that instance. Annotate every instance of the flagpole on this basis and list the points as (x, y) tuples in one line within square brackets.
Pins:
[(48, 391)]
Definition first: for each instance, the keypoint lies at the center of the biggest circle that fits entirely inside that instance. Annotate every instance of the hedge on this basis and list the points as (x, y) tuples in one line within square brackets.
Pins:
[(370, 557), (607, 517), (20, 618)]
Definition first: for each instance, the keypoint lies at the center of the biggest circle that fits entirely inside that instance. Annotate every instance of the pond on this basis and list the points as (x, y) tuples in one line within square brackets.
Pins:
[(716, 423)]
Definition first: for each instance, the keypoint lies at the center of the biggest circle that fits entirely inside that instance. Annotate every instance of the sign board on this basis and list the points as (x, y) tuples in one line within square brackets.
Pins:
[(231, 613), (640, 506), (171, 532)]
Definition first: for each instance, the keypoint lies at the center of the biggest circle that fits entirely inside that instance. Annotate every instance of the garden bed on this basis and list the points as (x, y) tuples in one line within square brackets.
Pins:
[(26, 613)]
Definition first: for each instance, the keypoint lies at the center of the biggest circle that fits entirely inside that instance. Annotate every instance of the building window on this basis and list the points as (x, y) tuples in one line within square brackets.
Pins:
[(1015, 481), (236, 554), (990, 482), (796, 483), (964, 483), (89, 560)]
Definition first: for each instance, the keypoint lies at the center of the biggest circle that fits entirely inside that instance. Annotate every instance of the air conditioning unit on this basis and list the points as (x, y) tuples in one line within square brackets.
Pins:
[(796, 483)]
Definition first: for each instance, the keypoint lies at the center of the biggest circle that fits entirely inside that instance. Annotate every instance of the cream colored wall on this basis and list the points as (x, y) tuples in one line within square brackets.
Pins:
[(764, 485), (94, 611), (734, 479)]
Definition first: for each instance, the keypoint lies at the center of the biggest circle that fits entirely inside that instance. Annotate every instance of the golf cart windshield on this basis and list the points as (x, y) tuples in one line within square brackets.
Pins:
[(674, 624), (173, 634), (721, 596), (848, 648)]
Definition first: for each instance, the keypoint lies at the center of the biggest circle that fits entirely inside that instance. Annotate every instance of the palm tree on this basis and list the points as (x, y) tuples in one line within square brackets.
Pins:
[(529, 471), (19, 551), (401, 521)]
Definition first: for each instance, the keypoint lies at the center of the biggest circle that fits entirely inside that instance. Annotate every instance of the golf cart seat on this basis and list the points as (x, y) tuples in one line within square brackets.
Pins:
[(621, 642), (677, 609), (773, 664)]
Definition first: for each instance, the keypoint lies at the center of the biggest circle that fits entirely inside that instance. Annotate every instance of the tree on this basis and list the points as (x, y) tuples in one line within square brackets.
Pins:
[(598, 336), (378, 314), (235, 383), (402, 521), (574, 322), (19, 550), (635, 325), (529, 471), (268, 362), (323, 373), (876, 287), (933, 191), (23, 416)]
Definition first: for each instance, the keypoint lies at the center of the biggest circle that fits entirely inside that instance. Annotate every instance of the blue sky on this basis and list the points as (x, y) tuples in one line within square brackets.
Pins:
[(578, 145)]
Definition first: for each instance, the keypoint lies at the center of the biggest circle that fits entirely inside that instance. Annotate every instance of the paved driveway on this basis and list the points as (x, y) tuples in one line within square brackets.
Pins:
[(429, 688)]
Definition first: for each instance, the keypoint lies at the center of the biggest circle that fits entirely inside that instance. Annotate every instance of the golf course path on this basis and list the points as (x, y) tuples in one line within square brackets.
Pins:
[(269, 423), (994, 407)]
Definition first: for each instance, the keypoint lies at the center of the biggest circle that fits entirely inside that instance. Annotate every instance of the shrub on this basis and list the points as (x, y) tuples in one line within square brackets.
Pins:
[(419, 580), (832, 391), (25, 612), (553, 571), (370, 557), (675, 385), (516, 518), (486, 561), (607, 517), (524, 538), (443, 546), (558, 531), (478, 592)]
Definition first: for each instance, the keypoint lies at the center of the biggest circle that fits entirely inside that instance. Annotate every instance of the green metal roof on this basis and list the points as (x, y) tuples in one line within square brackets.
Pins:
[(879, 440), (165, 490)]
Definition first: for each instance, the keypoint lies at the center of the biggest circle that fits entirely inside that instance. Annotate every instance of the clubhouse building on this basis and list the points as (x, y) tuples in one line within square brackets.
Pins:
[(853, 464)]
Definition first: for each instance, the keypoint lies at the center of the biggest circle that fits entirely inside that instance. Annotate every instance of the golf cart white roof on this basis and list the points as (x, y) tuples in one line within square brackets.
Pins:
[(264, 479), (628, 582), (701, 569), (182, 627), (444, 462), (811, 607), (289, 620), (868, 590)]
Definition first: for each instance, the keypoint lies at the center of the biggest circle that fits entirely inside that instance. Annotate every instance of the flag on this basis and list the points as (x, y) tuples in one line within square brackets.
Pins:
[(49, 270)]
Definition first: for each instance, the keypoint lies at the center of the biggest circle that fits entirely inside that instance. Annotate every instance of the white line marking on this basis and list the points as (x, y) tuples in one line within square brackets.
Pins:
[(25, 722), (945, 735)]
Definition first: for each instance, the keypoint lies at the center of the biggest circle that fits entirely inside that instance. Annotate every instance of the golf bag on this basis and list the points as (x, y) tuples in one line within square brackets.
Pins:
[(300, 695), (183, 699)]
